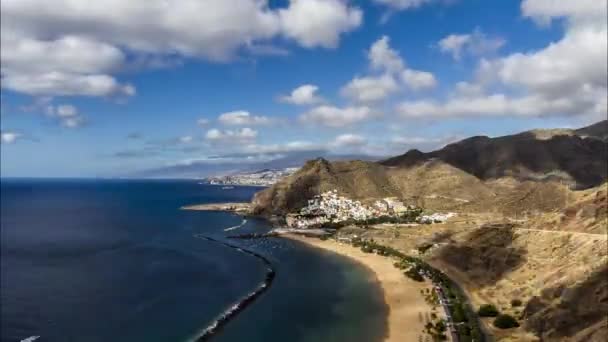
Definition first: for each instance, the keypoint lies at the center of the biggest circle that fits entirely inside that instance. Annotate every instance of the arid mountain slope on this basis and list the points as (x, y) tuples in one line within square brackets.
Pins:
[(512, 175), (522, 231), (575, 156), (555, 263)]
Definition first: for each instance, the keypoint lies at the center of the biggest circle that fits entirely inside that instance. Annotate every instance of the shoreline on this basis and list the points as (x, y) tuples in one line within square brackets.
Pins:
[(241, 208), (407, 306)]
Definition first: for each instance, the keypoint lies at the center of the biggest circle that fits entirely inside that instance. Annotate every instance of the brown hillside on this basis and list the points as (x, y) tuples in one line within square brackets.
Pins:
[(575, 156)]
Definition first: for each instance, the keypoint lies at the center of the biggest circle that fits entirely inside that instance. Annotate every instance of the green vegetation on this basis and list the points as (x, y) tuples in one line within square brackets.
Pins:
[(504, 321), (410, 216), (487, 310), (461, 312), (414, 274), (422, 249), (437, 330), (516, 302)]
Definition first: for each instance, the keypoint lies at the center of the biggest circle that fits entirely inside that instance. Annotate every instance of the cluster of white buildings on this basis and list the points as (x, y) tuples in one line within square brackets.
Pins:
[(435, 218), (257, 178), (329, 207)]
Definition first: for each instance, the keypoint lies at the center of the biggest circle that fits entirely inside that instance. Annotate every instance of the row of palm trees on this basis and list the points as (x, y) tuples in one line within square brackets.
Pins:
[(464, 318)]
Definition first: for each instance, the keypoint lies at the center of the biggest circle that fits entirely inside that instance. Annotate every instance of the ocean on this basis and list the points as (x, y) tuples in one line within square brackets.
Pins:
[(117, 260)]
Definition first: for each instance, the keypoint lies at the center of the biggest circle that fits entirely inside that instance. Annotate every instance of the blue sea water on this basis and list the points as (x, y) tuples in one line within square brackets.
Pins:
[(117, 260)]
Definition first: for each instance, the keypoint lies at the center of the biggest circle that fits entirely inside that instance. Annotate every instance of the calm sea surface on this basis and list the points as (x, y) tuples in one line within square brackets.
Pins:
[(92, 260)]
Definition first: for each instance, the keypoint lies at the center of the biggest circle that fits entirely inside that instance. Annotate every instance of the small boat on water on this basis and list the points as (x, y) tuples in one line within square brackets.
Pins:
[(227, 187)]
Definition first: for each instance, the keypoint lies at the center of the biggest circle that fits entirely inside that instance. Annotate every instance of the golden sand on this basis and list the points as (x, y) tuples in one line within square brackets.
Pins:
[(407, 308)]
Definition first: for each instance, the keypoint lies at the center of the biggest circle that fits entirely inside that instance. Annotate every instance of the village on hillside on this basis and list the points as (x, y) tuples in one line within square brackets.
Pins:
[(329, 208)]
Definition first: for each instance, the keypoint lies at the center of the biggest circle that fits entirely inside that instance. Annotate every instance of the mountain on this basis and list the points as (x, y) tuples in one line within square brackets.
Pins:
[(574, 156), (531, 223), (218, 168), (518, 173)]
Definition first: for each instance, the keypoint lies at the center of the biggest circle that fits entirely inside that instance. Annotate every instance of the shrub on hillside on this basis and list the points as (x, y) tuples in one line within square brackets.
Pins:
[(505, 321), (414, 274), (487, 310), (516, 302)]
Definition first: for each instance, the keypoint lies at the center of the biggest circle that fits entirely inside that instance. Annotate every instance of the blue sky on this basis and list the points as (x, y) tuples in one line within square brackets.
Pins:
[(88, 91)]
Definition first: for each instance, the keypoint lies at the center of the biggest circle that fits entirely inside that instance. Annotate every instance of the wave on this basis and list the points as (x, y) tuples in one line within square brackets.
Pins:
[(236, 227), (30, 339), (233, 310)]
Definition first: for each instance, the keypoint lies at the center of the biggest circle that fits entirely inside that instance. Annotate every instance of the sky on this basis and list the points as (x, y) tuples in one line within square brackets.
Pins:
[(112, 88)]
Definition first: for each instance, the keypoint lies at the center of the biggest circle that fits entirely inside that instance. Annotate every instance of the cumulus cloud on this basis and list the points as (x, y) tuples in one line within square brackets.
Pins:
[(382, 57), (67, 115), (70, 65), (73, 122), (393, 75), (370, 88), (242, 118), (64, 111), (303, 95), (186, 139), (202, 122), (418, 80), (231, 136), (403, 4), (501, 105), (577, 12), (349, 140), (10, 137), (338, 117), (567, 77), (476, 43), (315, 23), (62, 47)]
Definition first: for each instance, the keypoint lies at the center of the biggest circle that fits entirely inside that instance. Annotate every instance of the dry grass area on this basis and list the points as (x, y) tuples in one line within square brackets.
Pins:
[(559, 274)]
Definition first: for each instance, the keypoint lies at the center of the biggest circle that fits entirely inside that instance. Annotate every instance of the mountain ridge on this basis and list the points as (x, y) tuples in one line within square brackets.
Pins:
[(480, 170)]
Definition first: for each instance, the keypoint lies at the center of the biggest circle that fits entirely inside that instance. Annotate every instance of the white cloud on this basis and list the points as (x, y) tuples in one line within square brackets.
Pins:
[(476, 43), (186, 139), (382, 57), (69, 54), (393, 75), (319, 22), (202, 122), (370, 88), (403, 4), (231, 136), (501, 105), (468, 89), (242, 118), (292, 146), (10, 137), (64, 47), (65, 84), (418, 80), (70, 65), (338, 117), (64, 111), (567, 77), (585, 11), (73, 122), (349, 140), (67, 115), (558, 69), (303, 95)]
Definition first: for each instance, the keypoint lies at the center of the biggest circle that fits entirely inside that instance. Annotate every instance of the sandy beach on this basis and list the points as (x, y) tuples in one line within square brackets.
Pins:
[(407, 307)]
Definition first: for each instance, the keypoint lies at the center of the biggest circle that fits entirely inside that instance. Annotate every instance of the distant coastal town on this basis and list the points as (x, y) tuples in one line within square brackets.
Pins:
[(265, 177)]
